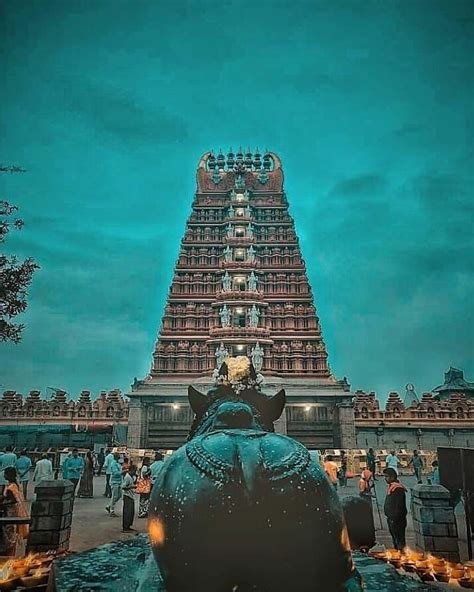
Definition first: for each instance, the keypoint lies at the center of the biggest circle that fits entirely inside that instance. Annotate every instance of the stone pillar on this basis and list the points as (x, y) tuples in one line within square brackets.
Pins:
[(51, 516), (137, 423), (434, 521), (346, 427)]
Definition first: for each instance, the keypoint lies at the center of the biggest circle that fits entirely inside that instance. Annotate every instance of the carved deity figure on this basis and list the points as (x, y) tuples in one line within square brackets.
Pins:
[(227, 254), (225, 316), (221, 355), (248, 212), (229, 230), (231, 212), (250, 231), (257, 357), (253, 282), (254, 315), (251, 254), (226, 282)]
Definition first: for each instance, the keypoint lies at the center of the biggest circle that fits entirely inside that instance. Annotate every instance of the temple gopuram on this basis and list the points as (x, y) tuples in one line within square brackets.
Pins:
[(240, 288)]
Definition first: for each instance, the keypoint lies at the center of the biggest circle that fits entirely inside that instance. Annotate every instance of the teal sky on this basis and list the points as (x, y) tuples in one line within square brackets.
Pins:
[(110, 104)]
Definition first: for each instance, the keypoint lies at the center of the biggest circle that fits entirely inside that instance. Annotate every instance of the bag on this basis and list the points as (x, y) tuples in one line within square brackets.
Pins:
[(143, 485)]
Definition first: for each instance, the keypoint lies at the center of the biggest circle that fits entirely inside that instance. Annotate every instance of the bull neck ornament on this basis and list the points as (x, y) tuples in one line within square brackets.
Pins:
[(241, 508)]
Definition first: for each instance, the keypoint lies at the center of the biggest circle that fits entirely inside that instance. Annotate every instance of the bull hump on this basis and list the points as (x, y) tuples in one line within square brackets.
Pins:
[(221, 456)]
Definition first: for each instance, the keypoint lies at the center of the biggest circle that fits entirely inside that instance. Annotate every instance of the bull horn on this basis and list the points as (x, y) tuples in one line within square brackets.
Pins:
[(197, 400), (276, 404)]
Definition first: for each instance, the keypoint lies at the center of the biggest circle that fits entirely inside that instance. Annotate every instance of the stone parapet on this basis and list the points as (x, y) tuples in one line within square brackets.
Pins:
[(51, 516), (434, 521)]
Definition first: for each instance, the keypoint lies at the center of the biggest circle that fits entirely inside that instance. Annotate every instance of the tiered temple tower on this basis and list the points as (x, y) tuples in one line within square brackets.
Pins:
[(240, 288)]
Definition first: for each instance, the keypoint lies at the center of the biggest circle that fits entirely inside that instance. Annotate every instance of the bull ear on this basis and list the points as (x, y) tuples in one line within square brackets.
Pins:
[(253, 374), (276, 404), (223, 370), (197, 400)]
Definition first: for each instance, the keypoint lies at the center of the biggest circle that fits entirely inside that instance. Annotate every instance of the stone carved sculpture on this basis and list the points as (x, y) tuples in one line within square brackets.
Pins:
[(254, 315), (226, 282), (221, 355), (253, 282), (227, 254), (225, 316), (241, 508), (229, 230), (251, 254), (257, 357)]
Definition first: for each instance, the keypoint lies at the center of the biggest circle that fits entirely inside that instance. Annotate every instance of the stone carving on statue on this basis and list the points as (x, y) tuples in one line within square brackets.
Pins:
[(257, 357), (254, 315), (231, 212), (226, 282), (253, 283), (251, 254), (250, 231), (227, 254), (229, 230), (221, 354), (232, 195), (225, 316), (248, 212)]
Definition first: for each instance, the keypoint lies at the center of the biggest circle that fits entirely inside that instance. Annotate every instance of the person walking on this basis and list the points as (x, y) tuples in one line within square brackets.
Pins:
[(86, 486), (43, 469), (331, 470), (417, 462), (395, 508), (73, 468), (371, 462), (144, 488), (342, 472), (156, 466), (7, 459), (435, 474), (392, 461), (115, 484), (109, 459), (13, 504), (128, 490), (23, 467), (100, 462)]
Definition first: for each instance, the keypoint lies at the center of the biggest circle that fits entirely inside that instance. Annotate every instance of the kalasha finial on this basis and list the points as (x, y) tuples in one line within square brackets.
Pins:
[(230, 160), (248, 159), (257, 163)]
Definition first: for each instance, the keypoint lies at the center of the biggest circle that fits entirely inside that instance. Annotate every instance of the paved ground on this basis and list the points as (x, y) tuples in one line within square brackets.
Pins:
[(92, 526)]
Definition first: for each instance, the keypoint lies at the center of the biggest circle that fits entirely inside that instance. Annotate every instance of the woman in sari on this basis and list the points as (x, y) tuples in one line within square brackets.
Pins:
[(13, 503), (86, 485), (143, 488)]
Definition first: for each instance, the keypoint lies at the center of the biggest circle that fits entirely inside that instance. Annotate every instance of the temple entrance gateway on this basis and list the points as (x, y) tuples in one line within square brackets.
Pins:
[(240, 288)]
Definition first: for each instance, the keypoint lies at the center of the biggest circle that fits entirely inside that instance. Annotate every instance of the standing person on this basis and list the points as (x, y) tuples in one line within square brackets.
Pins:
[(86, 486), (115, 483), (43, 469), (23, 467), (13, 503), (417, 462), (342, 473), (435, 474), (371, 462), (366, 484), (128, 490), (74, 466), (109, 459), (331, 470), (156, 466), (100, 462), (392, 462), (8, 459), (395, 508), (126, 465), (144, 488)]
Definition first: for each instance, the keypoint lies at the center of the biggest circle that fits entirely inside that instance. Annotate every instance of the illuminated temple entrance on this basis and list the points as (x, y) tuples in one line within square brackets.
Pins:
[(240, 288)]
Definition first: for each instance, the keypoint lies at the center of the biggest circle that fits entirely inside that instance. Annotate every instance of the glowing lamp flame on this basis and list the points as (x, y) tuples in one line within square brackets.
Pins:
[(156, 531)]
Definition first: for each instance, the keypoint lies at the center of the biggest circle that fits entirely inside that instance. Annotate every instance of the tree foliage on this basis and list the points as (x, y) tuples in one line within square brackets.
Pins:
[(15, 276)]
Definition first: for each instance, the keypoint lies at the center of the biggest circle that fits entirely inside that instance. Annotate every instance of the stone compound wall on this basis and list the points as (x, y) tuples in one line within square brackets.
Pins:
[(434, 521), (51, 516)]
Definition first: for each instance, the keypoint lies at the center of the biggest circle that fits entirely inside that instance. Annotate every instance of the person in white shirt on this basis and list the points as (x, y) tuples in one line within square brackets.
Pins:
[(128, 490), (109, 459), (43, 469), (392, 461)]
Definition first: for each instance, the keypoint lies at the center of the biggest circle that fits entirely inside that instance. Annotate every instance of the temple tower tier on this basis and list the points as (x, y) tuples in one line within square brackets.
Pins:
[(239, 288)]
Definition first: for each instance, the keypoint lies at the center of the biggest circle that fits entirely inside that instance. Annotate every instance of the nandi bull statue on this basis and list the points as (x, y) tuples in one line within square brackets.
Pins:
[(240, 508)]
